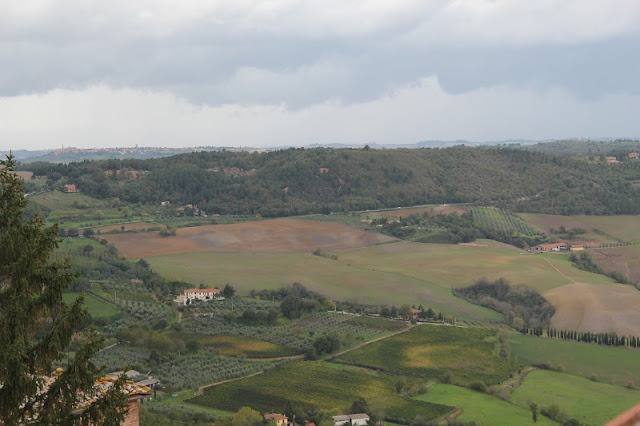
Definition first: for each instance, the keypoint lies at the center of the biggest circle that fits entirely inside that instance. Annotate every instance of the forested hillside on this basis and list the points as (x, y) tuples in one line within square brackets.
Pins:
[(321, 180), (618, 147)]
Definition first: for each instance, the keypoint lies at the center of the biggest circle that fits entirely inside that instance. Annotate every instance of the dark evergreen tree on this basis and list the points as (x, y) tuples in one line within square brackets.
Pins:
[(36, 325)]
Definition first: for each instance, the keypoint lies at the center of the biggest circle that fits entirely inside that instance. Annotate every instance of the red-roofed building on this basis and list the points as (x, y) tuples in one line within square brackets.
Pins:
[(278, 418), (134, 391)]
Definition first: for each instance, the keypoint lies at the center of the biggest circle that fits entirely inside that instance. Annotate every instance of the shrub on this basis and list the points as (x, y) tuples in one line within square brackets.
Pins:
[(478, 387)]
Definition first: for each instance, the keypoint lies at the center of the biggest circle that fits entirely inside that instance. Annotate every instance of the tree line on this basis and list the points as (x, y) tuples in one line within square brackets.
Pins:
[(607, 339)]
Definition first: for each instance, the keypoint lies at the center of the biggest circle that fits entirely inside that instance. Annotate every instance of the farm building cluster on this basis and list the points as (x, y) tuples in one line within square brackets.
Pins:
[(557, 247)]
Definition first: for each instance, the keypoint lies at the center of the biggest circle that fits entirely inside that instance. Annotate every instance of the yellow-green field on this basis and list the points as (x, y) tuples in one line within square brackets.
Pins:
[(252, 348), (431, 352)]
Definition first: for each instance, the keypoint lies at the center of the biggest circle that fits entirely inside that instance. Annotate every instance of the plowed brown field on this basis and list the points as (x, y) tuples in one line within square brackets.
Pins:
[(596, 307), (625, 260), (279, 235)]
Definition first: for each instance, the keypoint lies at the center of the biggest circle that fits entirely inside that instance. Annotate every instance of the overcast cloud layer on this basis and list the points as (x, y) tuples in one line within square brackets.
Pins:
[(187, 73)]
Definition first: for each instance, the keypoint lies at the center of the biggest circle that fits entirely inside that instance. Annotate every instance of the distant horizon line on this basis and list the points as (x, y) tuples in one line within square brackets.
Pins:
[(63, 148)]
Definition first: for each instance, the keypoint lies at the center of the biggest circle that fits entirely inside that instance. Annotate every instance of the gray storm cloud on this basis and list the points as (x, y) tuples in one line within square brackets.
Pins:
[(300, 58)]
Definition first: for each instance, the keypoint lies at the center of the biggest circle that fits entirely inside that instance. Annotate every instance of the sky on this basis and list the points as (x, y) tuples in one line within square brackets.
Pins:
[(180, 73)]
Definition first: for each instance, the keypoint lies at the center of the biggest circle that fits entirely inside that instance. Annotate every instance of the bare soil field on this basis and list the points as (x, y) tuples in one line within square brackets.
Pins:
[(24, 175), (596, 307), (625, 260), (279, 235), (127, 226), (432, 210)]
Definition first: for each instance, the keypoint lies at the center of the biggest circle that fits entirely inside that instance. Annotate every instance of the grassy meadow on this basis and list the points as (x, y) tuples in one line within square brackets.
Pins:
[(430, 352), (97, 307), (484, 409), (323, 385), (395, 273), (460, 265), (587, 401), (580, 359), (335, 279)]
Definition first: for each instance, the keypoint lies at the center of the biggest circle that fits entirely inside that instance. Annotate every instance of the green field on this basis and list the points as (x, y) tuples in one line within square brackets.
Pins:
[(322, 385), (57, 200), (582, 359), (479, 407), (431, 351), (335, 279), (459, 265), (97, 307), (588, 402)]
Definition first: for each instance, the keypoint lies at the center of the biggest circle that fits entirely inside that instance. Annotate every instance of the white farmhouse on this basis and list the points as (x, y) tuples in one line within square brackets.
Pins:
[(199, 294), (351, 419)]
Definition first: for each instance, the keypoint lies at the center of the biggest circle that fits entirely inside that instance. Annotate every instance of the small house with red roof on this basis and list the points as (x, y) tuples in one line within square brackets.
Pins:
[(278, 418)]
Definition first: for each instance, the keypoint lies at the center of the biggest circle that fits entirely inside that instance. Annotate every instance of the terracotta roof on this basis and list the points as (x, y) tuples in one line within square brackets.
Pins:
[(275, 416), (130, 373), (148, 382), (202, 290), (101, 386)]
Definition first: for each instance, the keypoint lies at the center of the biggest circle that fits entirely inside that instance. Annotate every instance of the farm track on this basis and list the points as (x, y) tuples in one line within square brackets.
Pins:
[(452, 416), (558, 270), (366, 343), (278, 358), (202, 388)]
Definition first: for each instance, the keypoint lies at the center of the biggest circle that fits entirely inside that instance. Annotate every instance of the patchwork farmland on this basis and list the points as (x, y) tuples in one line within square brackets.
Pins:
[(279, 235), (276, 253)]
